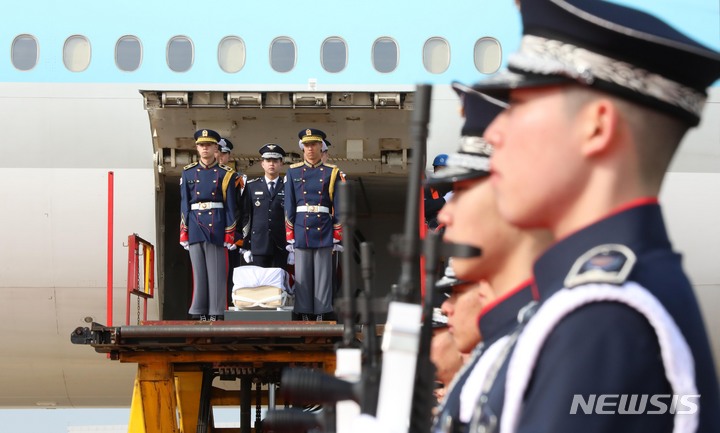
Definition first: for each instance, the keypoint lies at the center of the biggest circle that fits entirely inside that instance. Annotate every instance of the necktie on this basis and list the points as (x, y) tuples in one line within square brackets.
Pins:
[(272, 187)]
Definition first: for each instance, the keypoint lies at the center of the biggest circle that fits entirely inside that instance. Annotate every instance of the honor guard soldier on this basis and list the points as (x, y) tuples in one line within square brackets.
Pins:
[(600, 96), (224, 157), (498, 282), (207, 225), (263, 215), (326, 151), (225, 146), (311, 226), (337, 248)]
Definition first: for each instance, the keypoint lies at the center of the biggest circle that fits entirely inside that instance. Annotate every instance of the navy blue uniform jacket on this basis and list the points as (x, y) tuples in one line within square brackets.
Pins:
[(263, 217), (312, 185), (608, 347), (200, 184)]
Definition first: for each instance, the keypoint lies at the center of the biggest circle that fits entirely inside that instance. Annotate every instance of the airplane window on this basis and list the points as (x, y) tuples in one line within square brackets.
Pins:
[(180, 55), (488, 55), (333, 54), (24, 52), (231, 54), (436, 55), (385, 55), (128, 53), (282, 54), (76, 53)]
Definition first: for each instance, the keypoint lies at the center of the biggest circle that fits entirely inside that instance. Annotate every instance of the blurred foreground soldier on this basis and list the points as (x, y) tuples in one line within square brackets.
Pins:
[(311, 226), (500, 277), (600, 96), (263, 215), (443, 354), (434, 197), (443, 351), (460, 304), (207, 225)]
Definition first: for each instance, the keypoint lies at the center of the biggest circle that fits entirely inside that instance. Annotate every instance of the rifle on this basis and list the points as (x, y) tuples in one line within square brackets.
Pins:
[(371, 368), (307, 386), (401, 336), (423, 399)]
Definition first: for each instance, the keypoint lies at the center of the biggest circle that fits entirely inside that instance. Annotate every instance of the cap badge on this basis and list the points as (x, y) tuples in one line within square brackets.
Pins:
[(308, 132), (271, 146), (204, 133)]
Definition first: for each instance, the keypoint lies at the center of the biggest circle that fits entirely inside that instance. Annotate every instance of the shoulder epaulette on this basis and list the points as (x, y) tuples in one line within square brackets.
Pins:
[(253, 180), (191, 165), (226, 167), (330, 165), (608, 263), (297, 164)]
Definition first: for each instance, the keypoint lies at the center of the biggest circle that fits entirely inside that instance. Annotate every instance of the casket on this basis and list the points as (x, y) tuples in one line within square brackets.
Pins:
[(257, 288)]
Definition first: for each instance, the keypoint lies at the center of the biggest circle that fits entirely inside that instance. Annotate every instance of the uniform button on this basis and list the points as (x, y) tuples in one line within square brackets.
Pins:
[(307, 228), (321, 169), (215, 181), (210, 225), (209, 213), (303, 180), (304, 192), (198, 193), (319, 192), (213, 193), (318, 228)]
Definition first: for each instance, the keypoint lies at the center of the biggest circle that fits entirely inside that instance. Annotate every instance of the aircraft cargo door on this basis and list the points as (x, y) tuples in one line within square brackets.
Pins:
[(369, 135)]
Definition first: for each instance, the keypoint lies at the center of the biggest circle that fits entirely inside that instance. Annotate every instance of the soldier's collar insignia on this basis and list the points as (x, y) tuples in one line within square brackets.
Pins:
[(608, 263)]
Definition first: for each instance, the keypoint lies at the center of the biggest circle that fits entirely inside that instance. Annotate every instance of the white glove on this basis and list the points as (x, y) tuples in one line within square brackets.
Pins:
[(247, 255), (338, 248), (185, 244), (290, 247), (291, 258), (230, 246)]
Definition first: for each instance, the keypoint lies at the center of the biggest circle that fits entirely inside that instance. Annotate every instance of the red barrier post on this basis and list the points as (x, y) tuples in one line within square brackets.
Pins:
[(111, 204)]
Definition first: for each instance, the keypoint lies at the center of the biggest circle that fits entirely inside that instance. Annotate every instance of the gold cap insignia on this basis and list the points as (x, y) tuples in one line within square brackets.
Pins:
[(204, 133), (308, 132)]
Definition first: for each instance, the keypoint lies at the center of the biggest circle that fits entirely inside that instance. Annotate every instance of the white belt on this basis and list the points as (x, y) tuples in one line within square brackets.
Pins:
[(313, 209), (206, 205)]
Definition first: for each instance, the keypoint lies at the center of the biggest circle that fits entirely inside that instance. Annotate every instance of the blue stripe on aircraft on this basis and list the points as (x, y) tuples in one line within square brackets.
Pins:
[(409, 22)]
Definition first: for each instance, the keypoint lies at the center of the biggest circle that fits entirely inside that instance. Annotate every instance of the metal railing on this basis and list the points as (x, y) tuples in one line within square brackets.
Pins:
[(141, 274)]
